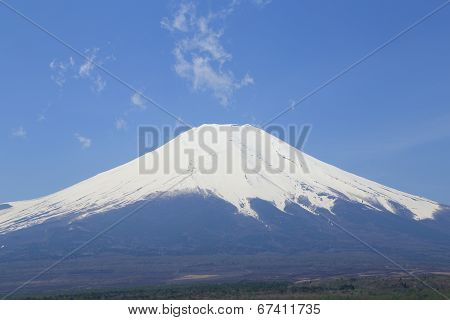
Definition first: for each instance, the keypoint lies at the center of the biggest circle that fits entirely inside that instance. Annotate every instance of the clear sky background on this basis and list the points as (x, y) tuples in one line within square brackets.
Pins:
[(63, 121)]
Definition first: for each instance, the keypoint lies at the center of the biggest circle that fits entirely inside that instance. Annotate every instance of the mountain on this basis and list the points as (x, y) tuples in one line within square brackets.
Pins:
[(227, 189), (319, 188)]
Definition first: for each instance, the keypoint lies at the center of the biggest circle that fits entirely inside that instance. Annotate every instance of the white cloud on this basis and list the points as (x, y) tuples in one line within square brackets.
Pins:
[(181, 18), (84, 141), (247, 80), (203, 76), (86, 68), (59, 69), (64, 70), (200, 57), (19, 132), (98, 84), (121, 124), (137, 100), (261, 3)]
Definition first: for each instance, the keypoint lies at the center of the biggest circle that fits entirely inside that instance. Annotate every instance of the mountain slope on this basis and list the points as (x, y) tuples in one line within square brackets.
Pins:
[(185, 165)]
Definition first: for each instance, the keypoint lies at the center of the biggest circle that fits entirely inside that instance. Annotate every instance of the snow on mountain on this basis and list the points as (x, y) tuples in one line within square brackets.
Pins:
[(185, 165)]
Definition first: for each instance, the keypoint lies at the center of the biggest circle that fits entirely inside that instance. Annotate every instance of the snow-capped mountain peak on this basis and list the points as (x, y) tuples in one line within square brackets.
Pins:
[(234, 163)]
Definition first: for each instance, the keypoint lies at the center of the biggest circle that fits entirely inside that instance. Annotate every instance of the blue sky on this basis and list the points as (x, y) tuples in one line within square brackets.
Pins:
[(63, 120)]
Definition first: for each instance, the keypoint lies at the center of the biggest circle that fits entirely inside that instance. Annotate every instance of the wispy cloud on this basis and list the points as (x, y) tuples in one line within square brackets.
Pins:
[(63, 70), (86, 68), (98, 84), (261, 3), (200, 57), (121, 124), (60, 69), (180, 20), (19, 132), (137, 100), (428, 131), (84, 141), (394, 139), (42, 116)]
